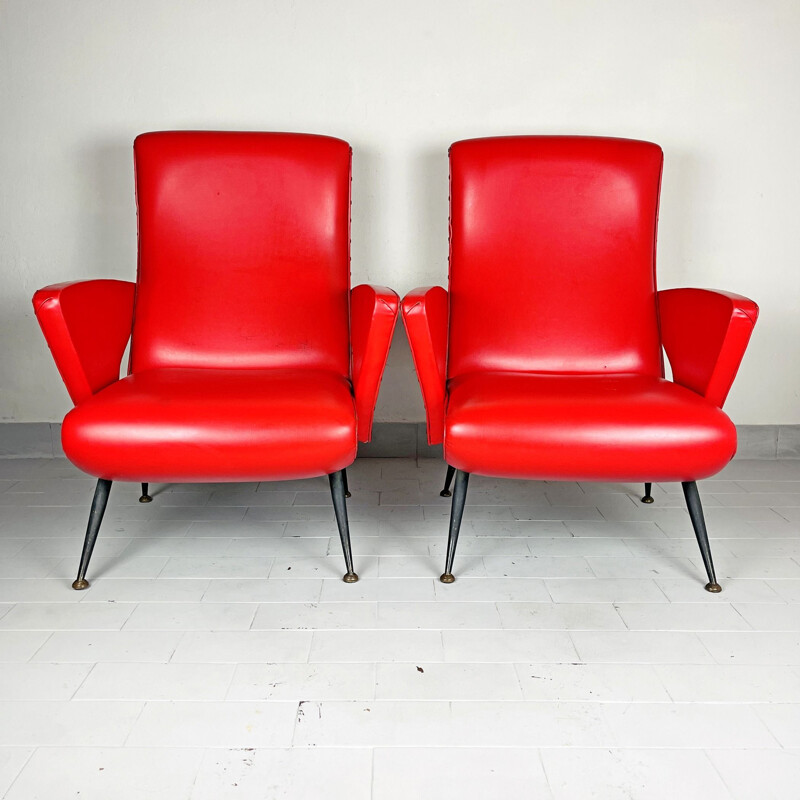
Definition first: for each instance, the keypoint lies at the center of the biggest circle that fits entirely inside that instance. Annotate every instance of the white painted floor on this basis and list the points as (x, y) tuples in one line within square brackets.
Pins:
[(219, 655)]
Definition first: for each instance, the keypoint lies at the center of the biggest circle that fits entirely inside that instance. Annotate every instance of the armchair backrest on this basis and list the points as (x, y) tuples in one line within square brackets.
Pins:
[(243, 251), (552, 255)]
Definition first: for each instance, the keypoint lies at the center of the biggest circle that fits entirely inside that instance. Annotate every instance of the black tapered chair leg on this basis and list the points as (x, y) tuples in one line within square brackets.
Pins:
[(698, 522), (338, 493), (346, 488), (648, 498), (447, 481), (456, 512), (99, 503), (145, 498)]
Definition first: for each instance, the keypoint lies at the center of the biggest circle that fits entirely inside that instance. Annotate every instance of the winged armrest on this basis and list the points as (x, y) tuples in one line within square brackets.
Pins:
[(425, 316), (87, 325), (373, 314), (705, 334)]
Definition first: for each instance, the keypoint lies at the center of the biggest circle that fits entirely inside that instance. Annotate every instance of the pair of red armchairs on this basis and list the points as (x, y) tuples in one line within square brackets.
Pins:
[(251, 358)]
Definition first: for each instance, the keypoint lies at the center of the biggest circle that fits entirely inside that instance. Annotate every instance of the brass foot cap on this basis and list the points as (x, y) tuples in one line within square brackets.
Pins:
[(347, 494), (648, 499), (715, 588), (350, 577), (145, 498), (447, 577), (444, 493), (80, 584)]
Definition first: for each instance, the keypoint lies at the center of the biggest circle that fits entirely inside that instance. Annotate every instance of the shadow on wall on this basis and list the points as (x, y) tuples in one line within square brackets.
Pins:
[(400, 399), (89, 210), (420, 245), (430, 216), (679, 217), (366, 252), (107, 236)]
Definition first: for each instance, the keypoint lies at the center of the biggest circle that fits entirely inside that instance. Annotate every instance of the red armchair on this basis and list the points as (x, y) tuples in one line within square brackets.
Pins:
[(544, 359), (250, 357)]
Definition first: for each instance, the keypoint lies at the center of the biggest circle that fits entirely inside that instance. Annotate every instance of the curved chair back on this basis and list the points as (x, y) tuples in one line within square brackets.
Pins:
[(552, 255), (243, 251)]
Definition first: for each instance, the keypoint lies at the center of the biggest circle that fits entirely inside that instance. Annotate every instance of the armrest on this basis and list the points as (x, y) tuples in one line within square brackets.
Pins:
[(87, 325), (425, 316), (705, 334), (373, 314)]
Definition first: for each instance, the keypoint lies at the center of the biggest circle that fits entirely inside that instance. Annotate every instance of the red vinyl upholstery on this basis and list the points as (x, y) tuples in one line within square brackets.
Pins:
[(87, 325), (243, 251), (552, 256), (215, 425), (584, 427), (250, 357), (543, 360), (705, 335), (373, 314), (425, 320)]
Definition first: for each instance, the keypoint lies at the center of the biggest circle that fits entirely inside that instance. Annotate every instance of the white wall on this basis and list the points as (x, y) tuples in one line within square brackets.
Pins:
[(715, 82)]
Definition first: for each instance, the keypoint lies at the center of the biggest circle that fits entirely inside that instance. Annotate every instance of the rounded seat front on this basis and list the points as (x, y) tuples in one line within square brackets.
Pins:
[(196, 425), (586, 427)]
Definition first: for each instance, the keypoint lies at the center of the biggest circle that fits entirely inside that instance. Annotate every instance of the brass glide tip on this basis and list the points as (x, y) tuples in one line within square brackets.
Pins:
[(447, 577), (647, 499), (350, 577), (145, 498), (81, 583), (714, 588), (444, 493)]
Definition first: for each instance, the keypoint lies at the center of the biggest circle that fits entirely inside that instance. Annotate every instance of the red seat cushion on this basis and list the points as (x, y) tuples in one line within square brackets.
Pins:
[(562, 427), (215, 425)]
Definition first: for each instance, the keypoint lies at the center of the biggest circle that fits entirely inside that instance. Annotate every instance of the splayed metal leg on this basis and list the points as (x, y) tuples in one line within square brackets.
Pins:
[(456, 512), (99, 503), (340, 509), (698, 522)]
